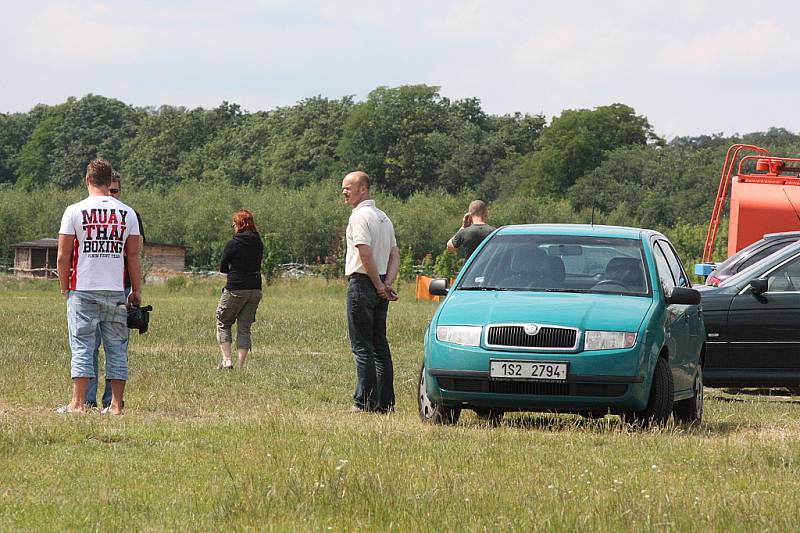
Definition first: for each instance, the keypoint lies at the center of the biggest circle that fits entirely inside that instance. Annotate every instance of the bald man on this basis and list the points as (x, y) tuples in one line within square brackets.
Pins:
[(371, 266), (473, 229)]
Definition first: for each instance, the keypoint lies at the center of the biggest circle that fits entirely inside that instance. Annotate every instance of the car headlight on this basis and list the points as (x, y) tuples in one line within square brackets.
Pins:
[(609, 340), (465, 335)]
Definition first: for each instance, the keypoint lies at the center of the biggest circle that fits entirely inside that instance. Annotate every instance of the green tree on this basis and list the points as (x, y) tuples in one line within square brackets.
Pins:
[(166, 139), (233, 154), (447, 264), (15, 130), (274, 256), (387, 136), (517, 132), (658, 186), (410, 138), (35, 158), (302, 147), (93, 126), (576, 142), (426, 220), (406, 272), (70, 135)]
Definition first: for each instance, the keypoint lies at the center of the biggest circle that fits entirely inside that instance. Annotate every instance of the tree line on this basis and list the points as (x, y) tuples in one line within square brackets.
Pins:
[(186, 170)]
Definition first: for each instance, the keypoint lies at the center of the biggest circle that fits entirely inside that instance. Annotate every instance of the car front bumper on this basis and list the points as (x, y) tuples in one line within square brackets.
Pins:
[(597, 381)]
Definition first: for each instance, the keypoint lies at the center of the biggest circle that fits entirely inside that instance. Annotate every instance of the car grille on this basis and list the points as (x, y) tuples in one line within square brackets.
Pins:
[(542, 388), (547, 337)]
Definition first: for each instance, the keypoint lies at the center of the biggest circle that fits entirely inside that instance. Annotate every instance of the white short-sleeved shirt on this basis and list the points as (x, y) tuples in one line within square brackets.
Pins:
[(369, 225), (100, 225)]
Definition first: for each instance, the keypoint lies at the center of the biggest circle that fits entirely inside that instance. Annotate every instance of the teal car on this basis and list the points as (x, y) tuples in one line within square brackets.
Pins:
[(583, 319)]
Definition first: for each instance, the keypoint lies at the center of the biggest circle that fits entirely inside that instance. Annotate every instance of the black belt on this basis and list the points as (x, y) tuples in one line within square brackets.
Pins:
[(359, 275)]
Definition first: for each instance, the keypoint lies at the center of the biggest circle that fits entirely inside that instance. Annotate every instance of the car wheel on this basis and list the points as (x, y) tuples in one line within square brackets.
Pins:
[(659, 406), (691, 409), (430, 412), (493, 417)]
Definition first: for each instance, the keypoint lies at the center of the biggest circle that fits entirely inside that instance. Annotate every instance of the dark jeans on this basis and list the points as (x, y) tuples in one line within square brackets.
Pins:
[(366, 322)]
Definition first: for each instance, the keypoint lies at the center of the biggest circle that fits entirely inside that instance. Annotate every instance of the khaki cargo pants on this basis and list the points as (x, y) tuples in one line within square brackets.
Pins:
[(240, 307)]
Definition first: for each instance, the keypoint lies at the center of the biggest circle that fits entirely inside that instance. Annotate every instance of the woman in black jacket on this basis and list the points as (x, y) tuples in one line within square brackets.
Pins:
[(241, 261)]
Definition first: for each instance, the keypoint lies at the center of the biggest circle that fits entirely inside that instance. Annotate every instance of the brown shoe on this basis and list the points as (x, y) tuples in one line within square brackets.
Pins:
[(357, 409)]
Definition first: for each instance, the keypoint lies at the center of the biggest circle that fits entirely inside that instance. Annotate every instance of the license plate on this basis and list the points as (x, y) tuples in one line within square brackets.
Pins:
[(530, 370)]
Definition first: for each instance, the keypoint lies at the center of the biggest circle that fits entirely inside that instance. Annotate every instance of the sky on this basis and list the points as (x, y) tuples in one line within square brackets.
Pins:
[(692, 67)]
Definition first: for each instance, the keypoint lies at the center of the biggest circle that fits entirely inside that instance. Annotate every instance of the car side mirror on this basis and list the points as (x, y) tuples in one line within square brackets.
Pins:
[(759, 286), (683, 296), (439, 286)]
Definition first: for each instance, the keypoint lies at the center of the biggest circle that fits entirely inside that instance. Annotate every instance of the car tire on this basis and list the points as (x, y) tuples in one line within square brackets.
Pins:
[(690, 410), (492, 417), (659, 405), (430, 412)]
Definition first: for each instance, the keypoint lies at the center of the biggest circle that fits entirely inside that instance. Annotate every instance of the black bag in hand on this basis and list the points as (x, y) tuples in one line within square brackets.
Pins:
[(139, 317)]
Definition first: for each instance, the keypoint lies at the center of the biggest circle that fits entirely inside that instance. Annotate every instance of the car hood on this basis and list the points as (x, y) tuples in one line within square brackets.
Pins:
[(585, 311), (707, 291)]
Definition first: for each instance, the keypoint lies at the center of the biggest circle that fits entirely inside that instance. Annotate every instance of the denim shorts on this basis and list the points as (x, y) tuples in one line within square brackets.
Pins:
[(88, 312)]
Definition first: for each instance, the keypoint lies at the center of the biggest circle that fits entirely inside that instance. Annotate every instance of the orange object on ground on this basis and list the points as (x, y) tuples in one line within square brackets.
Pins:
[(422, 289)]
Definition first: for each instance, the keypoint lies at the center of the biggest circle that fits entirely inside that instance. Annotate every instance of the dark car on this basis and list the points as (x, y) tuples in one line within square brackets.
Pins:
[(753, 324), (751, 254)]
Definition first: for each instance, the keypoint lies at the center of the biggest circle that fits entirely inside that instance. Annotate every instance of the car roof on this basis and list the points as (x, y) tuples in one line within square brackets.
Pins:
[(587, 230), (763, 265), (726, 267), (782, 234)]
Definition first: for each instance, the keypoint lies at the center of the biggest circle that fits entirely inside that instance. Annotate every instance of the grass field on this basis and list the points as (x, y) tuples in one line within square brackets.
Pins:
[(273, 447)]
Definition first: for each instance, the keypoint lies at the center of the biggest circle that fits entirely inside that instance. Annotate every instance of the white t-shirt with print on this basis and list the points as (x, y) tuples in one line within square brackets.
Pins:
[(369, 225), (100, 225)]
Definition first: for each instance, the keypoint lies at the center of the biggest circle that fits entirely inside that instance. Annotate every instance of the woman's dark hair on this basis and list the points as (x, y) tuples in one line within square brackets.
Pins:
[(243, 220)]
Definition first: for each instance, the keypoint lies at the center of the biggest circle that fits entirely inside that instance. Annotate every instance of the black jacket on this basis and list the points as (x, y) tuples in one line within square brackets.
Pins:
[(241, 260)]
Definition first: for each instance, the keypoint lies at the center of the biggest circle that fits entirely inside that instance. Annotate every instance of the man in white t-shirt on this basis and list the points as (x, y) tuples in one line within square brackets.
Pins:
[(371, 266), (92, 243)]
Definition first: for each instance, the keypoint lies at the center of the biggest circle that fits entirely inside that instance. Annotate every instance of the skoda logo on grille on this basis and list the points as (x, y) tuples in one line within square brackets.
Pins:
[(531, 329)]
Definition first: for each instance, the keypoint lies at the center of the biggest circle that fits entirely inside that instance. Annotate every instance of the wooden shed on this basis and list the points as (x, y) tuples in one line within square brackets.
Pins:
[(36, 259), (165, 256)]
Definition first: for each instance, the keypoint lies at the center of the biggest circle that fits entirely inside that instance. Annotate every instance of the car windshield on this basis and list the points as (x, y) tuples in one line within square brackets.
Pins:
[(756, 269), (559, 263)]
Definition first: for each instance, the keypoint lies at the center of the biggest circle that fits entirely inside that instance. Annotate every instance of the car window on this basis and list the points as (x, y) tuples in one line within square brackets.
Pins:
[(662, 267), (733, 259), (558, 263), (785, 278), (759, 269), (761, 254), (675, 267)]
